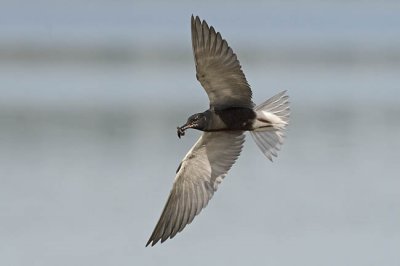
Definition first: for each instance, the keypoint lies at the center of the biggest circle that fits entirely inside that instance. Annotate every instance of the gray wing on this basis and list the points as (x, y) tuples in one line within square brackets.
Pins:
[(218, 69), (197, 178)]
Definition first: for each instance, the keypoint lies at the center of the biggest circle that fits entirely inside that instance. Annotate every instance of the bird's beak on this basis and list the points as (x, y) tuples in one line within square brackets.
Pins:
[(181, 130)]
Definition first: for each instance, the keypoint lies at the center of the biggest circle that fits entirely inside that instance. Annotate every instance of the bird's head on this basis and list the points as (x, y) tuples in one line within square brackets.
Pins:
[(196, 121)]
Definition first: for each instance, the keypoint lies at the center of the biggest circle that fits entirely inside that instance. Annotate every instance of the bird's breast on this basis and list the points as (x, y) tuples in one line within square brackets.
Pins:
[(234, 118)]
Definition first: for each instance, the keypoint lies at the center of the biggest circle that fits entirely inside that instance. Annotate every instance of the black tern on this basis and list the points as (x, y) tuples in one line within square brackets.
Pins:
[(231, 113)]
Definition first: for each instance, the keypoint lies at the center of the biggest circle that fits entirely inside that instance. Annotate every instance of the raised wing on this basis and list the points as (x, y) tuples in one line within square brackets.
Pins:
[(218, 69), (197, 178)]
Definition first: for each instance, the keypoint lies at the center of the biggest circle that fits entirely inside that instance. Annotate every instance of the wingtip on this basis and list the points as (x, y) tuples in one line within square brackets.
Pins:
[(151, 242), (196, 20), (148, 242)]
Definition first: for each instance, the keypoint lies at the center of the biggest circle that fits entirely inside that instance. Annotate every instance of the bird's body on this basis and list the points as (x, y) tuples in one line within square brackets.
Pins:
[(231, 113), (229, 119)]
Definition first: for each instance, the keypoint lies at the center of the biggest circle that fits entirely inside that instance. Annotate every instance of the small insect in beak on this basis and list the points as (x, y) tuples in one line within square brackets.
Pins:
[(181, 130)]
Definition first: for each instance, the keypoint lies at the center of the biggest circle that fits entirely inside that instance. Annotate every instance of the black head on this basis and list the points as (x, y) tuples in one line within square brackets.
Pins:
[(196, 121)]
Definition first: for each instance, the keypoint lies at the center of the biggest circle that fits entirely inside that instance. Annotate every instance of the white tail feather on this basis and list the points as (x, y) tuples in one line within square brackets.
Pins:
[(270, 124)]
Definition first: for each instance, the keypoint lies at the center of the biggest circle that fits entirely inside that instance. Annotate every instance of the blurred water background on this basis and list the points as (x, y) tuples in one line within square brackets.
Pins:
[(91, 93)]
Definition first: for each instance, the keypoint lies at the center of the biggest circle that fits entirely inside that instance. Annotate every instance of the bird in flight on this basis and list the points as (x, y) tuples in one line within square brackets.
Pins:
[(231, 113)]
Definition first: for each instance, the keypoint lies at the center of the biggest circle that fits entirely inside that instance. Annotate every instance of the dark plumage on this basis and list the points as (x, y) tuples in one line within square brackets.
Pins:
[(231, 113)]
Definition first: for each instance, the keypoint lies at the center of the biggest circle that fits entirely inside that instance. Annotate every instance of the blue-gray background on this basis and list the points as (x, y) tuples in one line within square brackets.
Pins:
[(91, 93)]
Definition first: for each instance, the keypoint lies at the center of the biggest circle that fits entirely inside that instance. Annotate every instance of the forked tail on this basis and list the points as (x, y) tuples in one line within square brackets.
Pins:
[(271, 121)]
